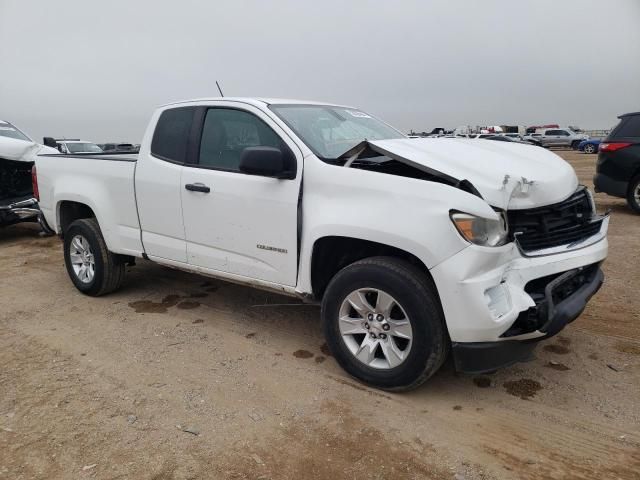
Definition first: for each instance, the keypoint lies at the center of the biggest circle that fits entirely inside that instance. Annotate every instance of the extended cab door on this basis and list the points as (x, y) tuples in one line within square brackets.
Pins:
[(564, 138), (553, 138), (159, 186), (548, 138), (241, 224)]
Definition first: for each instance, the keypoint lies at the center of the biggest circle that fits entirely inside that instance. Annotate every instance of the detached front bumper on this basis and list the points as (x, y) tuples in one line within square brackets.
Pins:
[(498, 302), (583, 283)]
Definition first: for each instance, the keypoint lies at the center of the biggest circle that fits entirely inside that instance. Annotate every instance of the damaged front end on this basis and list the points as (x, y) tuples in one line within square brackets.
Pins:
[(501, 299), (17, 203), (559, 299), (17, 158), (371, 156)]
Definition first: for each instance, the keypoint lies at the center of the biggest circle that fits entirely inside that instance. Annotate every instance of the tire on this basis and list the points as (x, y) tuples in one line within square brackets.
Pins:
[(85, 247), (589, 148), (415, 300), (574, 144), (633, 194)]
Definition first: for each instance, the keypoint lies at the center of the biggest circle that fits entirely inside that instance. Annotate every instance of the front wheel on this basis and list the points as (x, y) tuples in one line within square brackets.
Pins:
[(589, 148), (93, 269), (384, 324), (633, 195)]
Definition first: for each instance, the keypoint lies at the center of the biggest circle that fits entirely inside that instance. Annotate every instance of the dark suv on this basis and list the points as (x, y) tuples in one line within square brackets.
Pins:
[(618, 168)]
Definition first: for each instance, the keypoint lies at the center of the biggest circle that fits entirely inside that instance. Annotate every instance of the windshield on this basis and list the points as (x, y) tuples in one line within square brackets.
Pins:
[(8, 130), (83, 147), (331, 131)]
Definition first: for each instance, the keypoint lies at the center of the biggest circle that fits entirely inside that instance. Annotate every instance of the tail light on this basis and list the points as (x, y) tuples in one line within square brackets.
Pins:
[(34, 183), (613, 146)]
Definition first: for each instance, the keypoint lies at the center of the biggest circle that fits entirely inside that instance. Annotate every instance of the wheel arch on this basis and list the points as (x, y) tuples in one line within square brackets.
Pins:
[(69, 211), (332, 253)]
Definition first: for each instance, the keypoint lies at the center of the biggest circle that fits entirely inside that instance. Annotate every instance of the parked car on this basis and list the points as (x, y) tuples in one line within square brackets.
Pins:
[(119, 147), (560, 137), (533, 139), (500, 137), (515, 136), (77, 146), (618, 167), (589, 146), (412, 247), (17, 156)]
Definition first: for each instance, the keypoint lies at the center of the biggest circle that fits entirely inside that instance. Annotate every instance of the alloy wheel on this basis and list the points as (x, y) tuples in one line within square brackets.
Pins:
[(82, 259), (375, 328)]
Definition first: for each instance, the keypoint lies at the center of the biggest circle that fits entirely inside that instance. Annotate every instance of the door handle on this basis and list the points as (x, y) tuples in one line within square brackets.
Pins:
[(197, 187)]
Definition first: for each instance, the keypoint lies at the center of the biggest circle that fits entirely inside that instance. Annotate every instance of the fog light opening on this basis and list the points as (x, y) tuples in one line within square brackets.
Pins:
[(498, 300)]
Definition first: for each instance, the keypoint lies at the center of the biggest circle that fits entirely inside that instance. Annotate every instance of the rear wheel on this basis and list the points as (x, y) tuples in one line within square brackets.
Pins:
[(589, 148), (384, 324), (633, 195), (93, 269)]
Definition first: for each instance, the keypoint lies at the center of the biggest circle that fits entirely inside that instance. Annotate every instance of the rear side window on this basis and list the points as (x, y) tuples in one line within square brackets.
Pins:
[(171, 137), (628, 127)]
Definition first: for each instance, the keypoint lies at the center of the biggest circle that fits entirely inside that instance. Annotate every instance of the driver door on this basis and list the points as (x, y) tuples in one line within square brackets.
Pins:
[(241, 224)]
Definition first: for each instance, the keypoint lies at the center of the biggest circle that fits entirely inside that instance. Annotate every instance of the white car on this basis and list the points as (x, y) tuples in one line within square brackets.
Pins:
[(17, 156), (413, 247)]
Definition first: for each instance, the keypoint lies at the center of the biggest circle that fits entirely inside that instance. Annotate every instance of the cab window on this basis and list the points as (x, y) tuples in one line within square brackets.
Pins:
[(227, 132), (171, 136)]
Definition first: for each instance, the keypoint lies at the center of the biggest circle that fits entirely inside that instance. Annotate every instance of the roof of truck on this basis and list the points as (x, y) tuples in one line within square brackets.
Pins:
[(255, 101)]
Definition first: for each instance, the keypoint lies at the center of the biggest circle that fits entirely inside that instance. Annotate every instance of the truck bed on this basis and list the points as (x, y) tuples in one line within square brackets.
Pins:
[(104, 182)]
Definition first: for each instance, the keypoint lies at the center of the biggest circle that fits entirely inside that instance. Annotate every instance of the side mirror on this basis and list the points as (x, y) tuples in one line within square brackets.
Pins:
[(50, 142), (264, 161)]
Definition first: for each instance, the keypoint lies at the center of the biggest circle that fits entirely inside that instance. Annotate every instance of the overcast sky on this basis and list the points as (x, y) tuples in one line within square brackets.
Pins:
[(96, 70)]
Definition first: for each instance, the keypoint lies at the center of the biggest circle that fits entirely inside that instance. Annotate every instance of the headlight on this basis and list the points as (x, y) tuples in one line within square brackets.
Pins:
[(481, 231)]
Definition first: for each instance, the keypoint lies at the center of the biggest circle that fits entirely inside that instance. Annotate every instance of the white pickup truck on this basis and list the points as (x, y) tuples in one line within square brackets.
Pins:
[(413, 247)]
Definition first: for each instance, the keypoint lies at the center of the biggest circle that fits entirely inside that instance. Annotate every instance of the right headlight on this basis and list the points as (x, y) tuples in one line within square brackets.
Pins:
[(479, 230)]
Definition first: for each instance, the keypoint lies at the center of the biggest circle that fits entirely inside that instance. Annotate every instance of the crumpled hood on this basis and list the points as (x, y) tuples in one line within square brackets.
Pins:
[(21, 150), (507, 175)]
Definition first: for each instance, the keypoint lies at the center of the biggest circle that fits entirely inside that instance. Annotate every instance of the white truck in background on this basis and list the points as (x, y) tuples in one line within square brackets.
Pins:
[(413, 247)]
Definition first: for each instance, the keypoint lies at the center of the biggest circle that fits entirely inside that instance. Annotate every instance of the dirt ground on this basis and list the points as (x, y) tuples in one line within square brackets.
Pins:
[(177, 376)]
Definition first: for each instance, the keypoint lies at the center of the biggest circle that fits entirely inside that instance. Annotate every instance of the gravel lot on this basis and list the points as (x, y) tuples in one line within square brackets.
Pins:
[(177, 376)]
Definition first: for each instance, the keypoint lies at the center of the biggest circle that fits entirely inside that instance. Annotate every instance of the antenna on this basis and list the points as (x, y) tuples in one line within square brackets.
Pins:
[(219, 89)]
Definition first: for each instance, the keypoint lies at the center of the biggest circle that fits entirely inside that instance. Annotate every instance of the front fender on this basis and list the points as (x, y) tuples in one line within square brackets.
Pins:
[(405, 213)]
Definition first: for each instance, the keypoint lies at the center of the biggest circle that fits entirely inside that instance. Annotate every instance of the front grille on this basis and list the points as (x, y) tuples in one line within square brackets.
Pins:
[(554, 225)]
